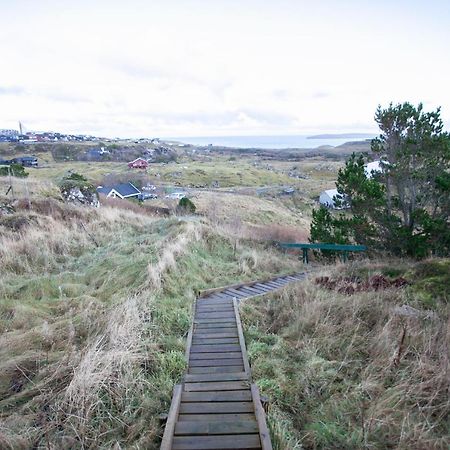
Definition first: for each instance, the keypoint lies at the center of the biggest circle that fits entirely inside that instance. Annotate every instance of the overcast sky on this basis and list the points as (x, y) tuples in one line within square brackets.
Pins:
[(218, 67)]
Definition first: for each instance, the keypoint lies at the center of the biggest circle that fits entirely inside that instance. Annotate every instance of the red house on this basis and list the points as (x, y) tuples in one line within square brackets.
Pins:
[(139, 163)]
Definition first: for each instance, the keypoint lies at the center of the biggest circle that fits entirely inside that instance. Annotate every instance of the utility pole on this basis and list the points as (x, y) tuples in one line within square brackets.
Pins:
[(11, 188)]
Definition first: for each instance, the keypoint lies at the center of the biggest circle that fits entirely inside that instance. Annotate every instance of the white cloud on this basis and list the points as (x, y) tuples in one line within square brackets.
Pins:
[(189, 67)]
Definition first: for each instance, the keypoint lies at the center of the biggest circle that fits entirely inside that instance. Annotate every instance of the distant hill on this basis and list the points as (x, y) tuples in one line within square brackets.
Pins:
[(343, 136)]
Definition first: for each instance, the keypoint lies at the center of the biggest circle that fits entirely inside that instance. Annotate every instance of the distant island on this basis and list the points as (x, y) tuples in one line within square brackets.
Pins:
[(343, 136)]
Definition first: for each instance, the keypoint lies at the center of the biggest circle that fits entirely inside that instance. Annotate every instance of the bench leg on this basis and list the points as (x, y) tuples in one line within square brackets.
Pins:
[(305, 256)]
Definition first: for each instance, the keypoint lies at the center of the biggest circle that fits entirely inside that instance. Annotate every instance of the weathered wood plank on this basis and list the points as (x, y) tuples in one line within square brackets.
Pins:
[(209, 377), (203, 325), (217, 396), (274, 285), (223, 417), (210, 341), (216, 407), (210, 428), (217, 369), (228, 442), (216, 362), (234, 293), (226, 320), (242, 341), (209, 309), (230, 334), (217, 386), (263, 287), (261, 418), (248, 292), (214, 315), (214, 348), (172, 418), (220, 355), (254, 290)]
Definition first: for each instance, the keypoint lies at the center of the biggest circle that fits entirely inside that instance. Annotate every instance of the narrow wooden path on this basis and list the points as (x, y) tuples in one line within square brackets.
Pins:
[(217, 406)]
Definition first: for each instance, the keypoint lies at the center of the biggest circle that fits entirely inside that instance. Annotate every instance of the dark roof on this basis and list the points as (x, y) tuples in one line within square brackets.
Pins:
[(25, 158), (124, 189)]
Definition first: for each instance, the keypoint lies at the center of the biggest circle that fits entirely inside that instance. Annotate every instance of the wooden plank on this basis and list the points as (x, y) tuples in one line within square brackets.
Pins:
[(263, 287), (217, 369), (226, 334), (210, 341), (189, 341), (214, 396), (216, 386), (172, 418), (261, 419), (209, 309), (255, 290), (273, 285), (227, 442), (214, 348), (210, 428), (215, 331), (223, 417), (247, 292), (210, 377), (223, 296), (235, 293), (204, 293), (216, 407), (242, 341), (202, 320), (214, 315), (220, 355), (215, 325), (215, 362)]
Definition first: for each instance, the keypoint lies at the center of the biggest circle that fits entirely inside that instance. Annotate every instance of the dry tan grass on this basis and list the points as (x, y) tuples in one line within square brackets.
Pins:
[(351, 371), (249, 209)]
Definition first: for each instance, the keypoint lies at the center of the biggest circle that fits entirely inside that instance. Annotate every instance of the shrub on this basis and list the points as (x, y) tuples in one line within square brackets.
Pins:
[(16, 170), (186, 206)]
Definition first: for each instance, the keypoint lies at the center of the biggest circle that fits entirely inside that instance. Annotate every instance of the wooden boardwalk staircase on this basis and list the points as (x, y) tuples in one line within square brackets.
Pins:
[(217, 406)]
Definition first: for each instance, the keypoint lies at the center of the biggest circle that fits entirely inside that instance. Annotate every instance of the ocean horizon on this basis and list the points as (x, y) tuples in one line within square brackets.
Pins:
[(274, 142)]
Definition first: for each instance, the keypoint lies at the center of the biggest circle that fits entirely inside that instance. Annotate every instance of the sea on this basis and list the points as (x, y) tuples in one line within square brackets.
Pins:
[(273, 142)]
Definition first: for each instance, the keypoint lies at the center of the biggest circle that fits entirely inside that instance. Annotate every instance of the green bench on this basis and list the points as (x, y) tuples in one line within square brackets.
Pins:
[(320, 246)]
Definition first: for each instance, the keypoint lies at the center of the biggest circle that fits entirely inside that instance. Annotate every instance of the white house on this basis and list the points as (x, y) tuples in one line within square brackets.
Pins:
[(372, 167), (123, 190), (327, 198)]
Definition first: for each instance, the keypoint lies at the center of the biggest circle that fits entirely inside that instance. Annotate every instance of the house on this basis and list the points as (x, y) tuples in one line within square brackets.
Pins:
[(327, 198), (26, 161), (373, 167), (139, 163), (122, 190)]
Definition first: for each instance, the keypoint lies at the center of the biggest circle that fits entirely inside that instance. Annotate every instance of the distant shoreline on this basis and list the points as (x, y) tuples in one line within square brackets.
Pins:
[(273, 142)]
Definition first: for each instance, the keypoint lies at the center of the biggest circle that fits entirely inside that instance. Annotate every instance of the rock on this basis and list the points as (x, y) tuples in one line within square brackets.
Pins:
[(77, 196)]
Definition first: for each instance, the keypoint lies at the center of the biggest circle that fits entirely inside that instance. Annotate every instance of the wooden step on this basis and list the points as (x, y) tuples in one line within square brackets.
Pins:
[(242, 442), (217, 386), (223, 417), (217, 369), (218, 427), (217, 396), (216, 407), (191, 378), (217, 355), (215, 362)]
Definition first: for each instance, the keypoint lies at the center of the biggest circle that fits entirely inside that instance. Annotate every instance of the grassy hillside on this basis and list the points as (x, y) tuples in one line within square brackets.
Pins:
[(353, 362), (94, 311)]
